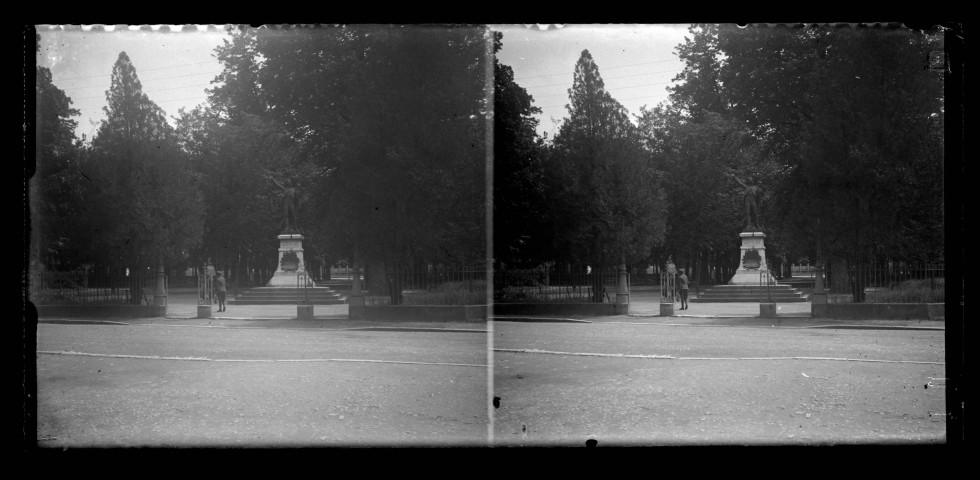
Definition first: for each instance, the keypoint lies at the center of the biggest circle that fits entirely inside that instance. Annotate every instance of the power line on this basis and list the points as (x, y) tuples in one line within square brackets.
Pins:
[(177, 99), (157, 102), (141, 70), (608, 68), (618, 100), (647, 96), (142, 80), (208, 84), (617, 88), (606, 78), (196, 85), (642, 74)]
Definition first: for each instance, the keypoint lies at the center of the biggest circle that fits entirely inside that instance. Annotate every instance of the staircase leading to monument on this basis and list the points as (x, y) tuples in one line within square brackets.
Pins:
[(749, 294), (289, 296), (798, 282)]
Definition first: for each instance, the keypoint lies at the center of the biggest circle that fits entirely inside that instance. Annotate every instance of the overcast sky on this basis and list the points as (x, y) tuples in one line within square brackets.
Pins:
[(636, 62), (173, 67)]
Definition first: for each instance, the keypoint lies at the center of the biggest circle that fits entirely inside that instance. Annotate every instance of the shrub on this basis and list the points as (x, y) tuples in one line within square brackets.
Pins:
[(470, 292), (912, 291), (525, 278), (929, 290)]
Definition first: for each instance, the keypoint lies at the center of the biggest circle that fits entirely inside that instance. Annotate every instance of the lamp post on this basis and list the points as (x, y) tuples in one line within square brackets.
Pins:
[(160, 293), (818, 300), (622, 290), (355, 305)]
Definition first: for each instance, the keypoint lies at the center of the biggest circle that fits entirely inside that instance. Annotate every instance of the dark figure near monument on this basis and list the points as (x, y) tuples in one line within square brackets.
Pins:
[(222, 287), (288, 206), (682, 284), (751, 204)]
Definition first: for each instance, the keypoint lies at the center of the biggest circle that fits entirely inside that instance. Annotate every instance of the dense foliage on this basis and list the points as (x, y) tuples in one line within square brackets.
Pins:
[(55, 194), (382, 130), (854, 119), (520, 197), (611, 206), (841, 128), (126, 200), (390, 126)]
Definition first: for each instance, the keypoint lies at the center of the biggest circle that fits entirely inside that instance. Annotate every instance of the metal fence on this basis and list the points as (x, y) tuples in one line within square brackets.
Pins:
[(304, 283), (892, 282), (205, 290), (341, 273), (668, 287), (766, 282), (85, 287), (802, 270), (555, 286), (427, 286)]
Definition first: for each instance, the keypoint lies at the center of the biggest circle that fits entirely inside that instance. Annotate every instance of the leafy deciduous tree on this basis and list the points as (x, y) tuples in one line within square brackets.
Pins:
[(391, 121), (611, 205), (851, 118), (55, 192), (519, 203), (144, 206)]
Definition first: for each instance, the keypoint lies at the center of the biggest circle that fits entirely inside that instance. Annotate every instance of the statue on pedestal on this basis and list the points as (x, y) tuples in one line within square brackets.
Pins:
[(751, 200), (291, 269), (289, 222)]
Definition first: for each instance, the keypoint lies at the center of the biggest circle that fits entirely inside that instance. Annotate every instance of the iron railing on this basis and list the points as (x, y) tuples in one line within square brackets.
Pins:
[(891, 282), (669, 293), (93, 287), (556, 286), (468, 286), (304, 283), (341, 273), (427, 286), (206, 294), (766, 282)]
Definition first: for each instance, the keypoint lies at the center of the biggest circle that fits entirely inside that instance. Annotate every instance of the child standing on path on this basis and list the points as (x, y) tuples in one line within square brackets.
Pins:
[(222, 288), (682, 285)]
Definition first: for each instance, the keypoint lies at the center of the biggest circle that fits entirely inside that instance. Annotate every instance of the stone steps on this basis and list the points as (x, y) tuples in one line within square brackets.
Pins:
[(749, 293), (797, 282), (319, 292), (289, 296), (286, 302)]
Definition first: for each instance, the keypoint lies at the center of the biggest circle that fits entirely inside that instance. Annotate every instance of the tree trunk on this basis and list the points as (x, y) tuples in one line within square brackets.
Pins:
[(839, 281), (375, 277), (395, 283), (238, 264), (595, 282), (858, 280)]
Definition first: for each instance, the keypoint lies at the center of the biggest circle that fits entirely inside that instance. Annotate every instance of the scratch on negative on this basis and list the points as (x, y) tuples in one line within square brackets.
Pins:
[(205, 359), (670, 357)]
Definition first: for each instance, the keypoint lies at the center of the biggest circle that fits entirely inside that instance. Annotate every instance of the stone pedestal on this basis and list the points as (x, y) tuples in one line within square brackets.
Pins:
[(818, 300), (622, 292), (767, 310), (666, 309), (751, 260), (160, 292), (304, 312), (204, 311), (355, 302), (291, 263)]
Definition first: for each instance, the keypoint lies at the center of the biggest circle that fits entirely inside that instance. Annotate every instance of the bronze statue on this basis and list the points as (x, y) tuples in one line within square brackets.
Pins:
[(288, 206), (751, 198)]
